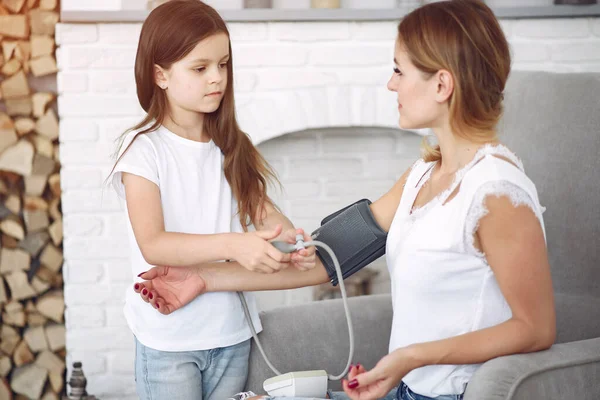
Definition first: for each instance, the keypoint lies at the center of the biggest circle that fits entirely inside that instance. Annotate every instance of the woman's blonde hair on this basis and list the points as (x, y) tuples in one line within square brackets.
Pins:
[(465, 38)]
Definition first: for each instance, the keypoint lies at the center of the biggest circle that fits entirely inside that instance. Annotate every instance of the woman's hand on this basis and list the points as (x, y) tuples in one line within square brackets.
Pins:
[(169, 288), (304, 259), (385, 376), (253, 251)]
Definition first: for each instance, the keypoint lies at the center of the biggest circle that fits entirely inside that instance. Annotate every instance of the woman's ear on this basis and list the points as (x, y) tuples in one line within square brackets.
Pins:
[(161, 77), (444, 85)]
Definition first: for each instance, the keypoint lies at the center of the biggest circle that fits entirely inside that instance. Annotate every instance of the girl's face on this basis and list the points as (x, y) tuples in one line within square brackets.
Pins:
[(198, 81), (418, 94)]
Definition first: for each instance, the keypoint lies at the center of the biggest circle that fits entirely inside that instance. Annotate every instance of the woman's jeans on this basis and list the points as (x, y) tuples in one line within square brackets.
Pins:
[(400, 393), (214, 374)]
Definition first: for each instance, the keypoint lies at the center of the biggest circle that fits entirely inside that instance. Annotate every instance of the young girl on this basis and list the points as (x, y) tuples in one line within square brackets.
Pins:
[(466, 244), (185, 171)]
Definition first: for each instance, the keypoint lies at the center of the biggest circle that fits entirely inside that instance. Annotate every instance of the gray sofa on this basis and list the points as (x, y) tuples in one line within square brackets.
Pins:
[(552, 121)]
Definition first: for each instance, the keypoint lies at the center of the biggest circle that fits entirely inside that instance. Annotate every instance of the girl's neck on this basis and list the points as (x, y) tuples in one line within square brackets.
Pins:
[(188, 125)]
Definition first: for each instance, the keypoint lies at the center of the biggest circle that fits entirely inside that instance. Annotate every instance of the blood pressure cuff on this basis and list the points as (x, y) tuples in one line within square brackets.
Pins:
[(354, 236)]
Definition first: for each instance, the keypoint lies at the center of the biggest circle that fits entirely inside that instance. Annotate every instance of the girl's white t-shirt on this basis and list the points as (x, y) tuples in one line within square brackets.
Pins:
[(196, 198)]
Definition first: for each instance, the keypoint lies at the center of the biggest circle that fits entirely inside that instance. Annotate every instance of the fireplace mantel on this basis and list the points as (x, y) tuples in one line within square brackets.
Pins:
[(268, 15)]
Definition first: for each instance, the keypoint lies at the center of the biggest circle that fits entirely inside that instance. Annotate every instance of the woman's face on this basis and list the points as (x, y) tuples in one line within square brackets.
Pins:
[(417, 102)]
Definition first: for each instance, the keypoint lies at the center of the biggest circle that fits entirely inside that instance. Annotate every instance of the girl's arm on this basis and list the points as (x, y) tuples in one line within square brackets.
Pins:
[(159, 247), (172, 288), (519, 260)]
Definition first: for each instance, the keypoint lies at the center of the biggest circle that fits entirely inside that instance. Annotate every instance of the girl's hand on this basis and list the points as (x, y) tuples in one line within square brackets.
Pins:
[(169, 288), (378, 382), (304, 259), (253, 251)]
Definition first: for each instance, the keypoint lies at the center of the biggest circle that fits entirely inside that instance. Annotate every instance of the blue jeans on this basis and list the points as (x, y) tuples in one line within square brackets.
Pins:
[(402, 392), (214, 374)]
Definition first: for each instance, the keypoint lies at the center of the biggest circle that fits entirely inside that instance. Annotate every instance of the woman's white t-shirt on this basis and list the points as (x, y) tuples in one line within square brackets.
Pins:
[(442, 286), (196, 198)]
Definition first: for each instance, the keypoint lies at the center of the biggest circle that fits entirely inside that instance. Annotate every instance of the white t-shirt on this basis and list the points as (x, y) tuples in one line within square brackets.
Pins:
[(196, 198), (442, 286)]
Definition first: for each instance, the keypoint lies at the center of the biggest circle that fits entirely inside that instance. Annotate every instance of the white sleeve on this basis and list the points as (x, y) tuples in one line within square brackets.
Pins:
[(140, 159), (517, 195)]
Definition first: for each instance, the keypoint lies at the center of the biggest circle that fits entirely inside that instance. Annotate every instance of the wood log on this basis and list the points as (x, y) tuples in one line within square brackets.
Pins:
[(13, 5), (42, 165), (52, 258), (19, 106), (50, 362), (40, 286), (43, 22), (56, 335), (9, 339), (8, 133), (14, 260), (23, 51), (33, 203), (36, 319), (14, 26), (34, 243), (36, 220), (11, 67), (5, 392), (56, 232), (19, 286), (12, 227), (18, 158), (5, 366), (52, 305), (9, 242), (54, 209), (47, 125), (57, 381), (44, 65), (3, 297), (40, 102), (15, 86), (13, 203), (32, 4), (36, 339), (35, 185), (8, 49), (54, 182), (45, 274), (41, 45), (48, 4), (29, 381), (15, 318), (22, 354), (43, 146), (24, 126), (50, 395)]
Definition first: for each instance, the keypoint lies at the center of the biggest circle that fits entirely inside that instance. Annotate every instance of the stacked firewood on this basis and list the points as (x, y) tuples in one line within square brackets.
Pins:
[(32, 331)]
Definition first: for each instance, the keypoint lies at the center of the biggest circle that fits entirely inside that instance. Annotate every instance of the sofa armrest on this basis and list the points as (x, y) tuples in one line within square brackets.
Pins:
[(315, 336), (565, 371)]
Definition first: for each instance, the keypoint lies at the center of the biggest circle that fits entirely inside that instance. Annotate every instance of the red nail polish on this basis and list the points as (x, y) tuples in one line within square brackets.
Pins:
[(141, 273), (353, 384), (151, 296), (136, 286), (144, 292), (157, 305)]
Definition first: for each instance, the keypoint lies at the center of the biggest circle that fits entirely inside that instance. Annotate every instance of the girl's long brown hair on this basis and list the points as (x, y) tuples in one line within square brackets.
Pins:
[(169, 33), (465, 38)]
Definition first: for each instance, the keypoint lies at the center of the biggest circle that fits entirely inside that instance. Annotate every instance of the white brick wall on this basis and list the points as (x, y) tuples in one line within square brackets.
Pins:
[(289, 78)]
